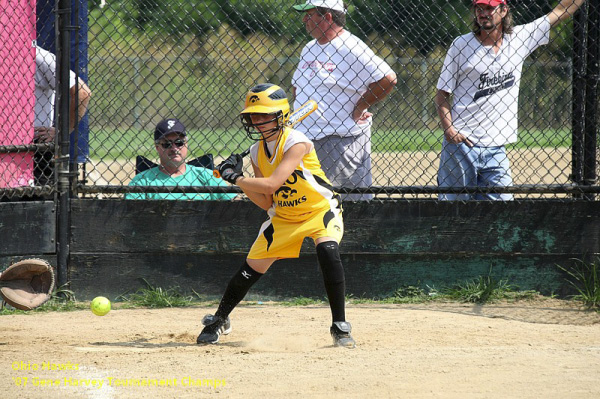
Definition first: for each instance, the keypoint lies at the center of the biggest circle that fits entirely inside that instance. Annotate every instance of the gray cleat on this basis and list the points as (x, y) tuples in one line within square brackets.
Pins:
[(213, 328), (340, 331)]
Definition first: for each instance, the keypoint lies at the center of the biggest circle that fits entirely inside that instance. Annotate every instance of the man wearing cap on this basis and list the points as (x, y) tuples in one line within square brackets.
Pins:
[(482, 73), (170, 139), (345, 78)]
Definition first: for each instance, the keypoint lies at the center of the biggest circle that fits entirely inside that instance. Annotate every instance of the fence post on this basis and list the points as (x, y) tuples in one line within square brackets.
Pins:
[(63, 175), (578, 105), (592, 73)]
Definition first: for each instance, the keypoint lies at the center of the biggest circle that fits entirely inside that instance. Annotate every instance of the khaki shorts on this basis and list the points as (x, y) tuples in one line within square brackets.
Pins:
[(346, 162), (282, 238)]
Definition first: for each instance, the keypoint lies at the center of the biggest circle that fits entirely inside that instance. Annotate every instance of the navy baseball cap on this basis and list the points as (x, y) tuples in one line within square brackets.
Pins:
[(167, 126)]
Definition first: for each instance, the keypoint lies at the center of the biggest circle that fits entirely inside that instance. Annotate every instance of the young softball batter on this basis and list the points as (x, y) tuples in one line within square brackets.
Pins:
[(300, 202)]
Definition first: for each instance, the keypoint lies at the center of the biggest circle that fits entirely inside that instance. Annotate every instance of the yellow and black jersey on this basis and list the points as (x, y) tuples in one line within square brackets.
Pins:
[(307, 190), (304, 206)]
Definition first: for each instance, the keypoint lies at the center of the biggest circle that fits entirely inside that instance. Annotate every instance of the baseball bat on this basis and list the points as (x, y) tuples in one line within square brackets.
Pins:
[(297, 116)]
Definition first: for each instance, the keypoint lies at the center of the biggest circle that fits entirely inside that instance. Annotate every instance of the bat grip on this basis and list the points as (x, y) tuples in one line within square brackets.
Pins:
[(216, 172)]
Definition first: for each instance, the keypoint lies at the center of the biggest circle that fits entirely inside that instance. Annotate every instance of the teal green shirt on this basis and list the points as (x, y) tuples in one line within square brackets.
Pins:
[(193, 176)]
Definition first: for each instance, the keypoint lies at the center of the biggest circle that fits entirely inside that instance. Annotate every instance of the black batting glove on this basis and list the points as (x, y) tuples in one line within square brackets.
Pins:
[(231, 168), (230, 175)]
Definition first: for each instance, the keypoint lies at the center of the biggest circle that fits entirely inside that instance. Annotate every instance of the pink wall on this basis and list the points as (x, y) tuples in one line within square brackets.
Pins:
[(17, 68)]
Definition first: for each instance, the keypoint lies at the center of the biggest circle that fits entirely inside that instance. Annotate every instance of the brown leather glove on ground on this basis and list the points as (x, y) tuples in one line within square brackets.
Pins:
[(27, 284)]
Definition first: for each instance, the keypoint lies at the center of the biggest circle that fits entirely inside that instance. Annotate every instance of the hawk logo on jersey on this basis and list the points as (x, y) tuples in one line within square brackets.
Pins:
[(285, 192), (288, 192)]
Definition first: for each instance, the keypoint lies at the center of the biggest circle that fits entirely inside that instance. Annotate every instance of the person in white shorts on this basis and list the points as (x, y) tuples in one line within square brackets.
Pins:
[(482, 73), (345, 78)]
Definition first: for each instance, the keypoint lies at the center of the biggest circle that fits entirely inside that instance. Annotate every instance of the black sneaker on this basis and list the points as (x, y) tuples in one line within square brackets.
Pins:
[(213, 328), (340, 331)]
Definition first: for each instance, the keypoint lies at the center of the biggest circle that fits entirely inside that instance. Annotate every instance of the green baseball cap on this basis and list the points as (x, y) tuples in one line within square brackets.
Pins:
[(337, 5)]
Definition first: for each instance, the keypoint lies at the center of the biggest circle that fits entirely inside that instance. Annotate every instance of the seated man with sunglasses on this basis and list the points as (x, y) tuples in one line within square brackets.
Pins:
[(170, 139)]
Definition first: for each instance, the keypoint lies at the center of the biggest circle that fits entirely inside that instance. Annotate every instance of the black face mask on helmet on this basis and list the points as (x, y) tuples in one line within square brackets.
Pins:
[(253, 129)]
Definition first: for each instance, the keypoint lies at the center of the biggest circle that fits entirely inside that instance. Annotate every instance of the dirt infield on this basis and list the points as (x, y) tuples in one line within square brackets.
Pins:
[(533, 166), (542, 349)]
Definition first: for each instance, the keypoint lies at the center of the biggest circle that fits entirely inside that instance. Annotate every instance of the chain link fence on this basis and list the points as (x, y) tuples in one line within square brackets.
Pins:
[(195, 61)]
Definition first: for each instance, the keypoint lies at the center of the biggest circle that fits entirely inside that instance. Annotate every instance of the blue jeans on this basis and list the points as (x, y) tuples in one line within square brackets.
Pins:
[(464, 166)]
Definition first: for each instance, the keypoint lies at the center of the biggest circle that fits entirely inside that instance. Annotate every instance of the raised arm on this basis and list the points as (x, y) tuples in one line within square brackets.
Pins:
[(564, 10)]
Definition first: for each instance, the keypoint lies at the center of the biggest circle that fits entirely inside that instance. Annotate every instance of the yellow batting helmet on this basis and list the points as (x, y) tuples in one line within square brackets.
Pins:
[(265, 98)]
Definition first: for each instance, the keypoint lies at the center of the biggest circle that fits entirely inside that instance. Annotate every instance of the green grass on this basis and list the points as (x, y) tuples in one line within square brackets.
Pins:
[(411, 294), (302, 301), (585, 278), (127, 143), (61, 300), (482, 290), (157, 297), (543, 139), (413, 140)]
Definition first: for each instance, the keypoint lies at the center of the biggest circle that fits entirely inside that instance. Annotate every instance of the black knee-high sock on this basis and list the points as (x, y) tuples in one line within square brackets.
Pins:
[(237, 289), (328, 254)]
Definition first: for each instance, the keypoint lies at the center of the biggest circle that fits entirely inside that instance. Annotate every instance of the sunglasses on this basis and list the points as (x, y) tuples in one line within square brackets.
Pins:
[(168, 144)]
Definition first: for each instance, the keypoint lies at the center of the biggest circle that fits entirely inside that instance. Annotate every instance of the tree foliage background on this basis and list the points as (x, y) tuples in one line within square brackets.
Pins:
[(194, 59)]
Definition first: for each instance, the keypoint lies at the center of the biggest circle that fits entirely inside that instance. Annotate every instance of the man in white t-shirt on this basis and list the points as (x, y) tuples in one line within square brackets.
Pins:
[(344, 77), (45, 90), (482, 73)]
